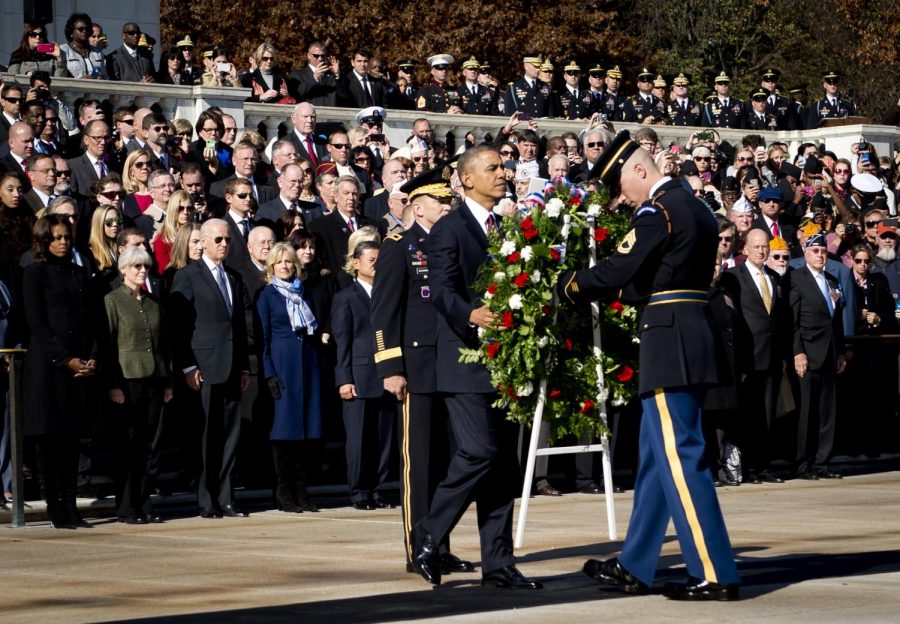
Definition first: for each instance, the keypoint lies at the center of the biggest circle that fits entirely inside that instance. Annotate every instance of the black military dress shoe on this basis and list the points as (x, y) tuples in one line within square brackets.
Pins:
[(451, 563), (509, 577), (154, 519), (697, 589), (752, 478), (137, 520), (807, 476), (611, 572), (230, 511), (824, 473), (381, 504), (426, 560), (209, 512), (591, 488), (306, 505), (363, 505)]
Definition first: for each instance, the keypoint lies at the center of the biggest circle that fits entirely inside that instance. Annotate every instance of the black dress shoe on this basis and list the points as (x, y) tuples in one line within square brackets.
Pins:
[(209, 512), (451, 563), (230, 511), (306, 505), (826, 474), (768, 477), (753, 478), (696, 589), (611, 572), (591, 488), (363, 505), (808, 476), (154, 519), (730, 482), (426, 560), (137, 520), (381, 504), (508, 577), (545, 489)]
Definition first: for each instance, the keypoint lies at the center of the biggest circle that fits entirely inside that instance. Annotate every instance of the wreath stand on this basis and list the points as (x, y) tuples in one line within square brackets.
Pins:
[(603, 447)]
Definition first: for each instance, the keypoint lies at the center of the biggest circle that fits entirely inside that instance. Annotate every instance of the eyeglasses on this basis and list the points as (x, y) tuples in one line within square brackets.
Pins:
[(112, 222), (317, 55), (218, 240), (419, 159), (594, 144), (214, 129), (133, 33), (768, 201), (159, 128), (744, 158), (402, 200), (831, 81), (361, 160), (242, 195), (573, 73), (70, 216), (143, 164), (726, 239), (267, 59), (779, 256), (81, 28), (51, 119), (844, 171), (140, 266), (871, 224), (185, 135), (861, 261), (98, 137), (111, 195), (127, 122), (506, 152), (441, 67), (186, 208), (13, 100), (340, 146), (36, 34), (702, 158)]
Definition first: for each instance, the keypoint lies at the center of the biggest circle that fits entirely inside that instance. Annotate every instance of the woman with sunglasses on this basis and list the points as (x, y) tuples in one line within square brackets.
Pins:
[(266, 83), (26, 59), (135, 175), (179, 212), (106, 223), (170, 67), (138, 380), (209, 151), (77, 55), (60, 364)]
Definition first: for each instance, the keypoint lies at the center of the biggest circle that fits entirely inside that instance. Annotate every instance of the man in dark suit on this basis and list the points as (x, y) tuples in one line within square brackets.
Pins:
[(245, 161), (270, 213), (10, 108), (369, 410), (42, 169), (357, 89), (333, 230), (763, 323), (771, 218), (303, 136), (484, 467), (239, 222), (377, 206), (316, 83), (127, 63), (211, 350), (89, 167), (818, 357), (404, 323), (665, 260), (21, 146)]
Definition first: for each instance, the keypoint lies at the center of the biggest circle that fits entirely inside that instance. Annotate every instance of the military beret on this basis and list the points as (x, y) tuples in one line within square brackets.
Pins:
[(433, 183), (327, 168), (608, 167)]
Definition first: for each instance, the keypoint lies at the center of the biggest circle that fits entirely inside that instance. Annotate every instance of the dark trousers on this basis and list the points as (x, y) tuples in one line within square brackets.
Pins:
[(221, 433), (483, 469), (57, 460), (758, 398), (815, 429), (425, 448), (139, 423), (293, 461), (369, 427)]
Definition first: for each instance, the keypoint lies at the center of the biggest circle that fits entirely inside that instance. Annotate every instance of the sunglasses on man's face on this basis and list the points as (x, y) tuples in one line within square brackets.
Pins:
[(218, 240), (775, 256), (340, 146), (872, 224), (111, 195), (242, 195), (861, 261), (594, 144)]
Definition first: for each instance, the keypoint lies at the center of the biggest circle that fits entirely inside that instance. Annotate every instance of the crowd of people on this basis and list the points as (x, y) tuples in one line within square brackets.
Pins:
[(161, 271)]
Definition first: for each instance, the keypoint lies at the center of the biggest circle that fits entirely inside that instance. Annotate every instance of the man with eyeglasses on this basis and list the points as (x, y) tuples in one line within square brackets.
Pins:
[(357, 89), (779, 256), (475, 98), (722, 110), (339, 151), (123, 137), (316, 82), (574, 102), (436, 97), (156, 129), (597, 86), (270, 213), (683, 109), (42, 169), (333, 230), (90, 166), (376, 206), (595, 142), (644, 107), (613, 103), (831, 106), (528, 95), (771, 217), (126, 63), (10, 103), (88, 110), (63, 176), (245, 161), (758, 116)]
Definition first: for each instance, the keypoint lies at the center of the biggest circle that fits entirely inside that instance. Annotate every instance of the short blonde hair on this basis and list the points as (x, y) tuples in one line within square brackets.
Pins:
[(365, 233), (276, 253), (262, 49)]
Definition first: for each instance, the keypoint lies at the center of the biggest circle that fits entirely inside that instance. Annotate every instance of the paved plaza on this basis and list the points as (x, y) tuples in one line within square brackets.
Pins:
[(822, 551)]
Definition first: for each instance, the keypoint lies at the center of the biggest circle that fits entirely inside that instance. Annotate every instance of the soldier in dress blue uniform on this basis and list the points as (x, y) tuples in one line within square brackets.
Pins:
[(575, 102), (798, 111), (613, 103), (528, 95), (474, 98), (545, 75), (759, 116), (665, 261), (487, 80), (438, 97), (776, 104), (406, 68), (723, 111), (404, 324), (596, 75), (645, 107), (831, 106), (683, 109), (660, 88)]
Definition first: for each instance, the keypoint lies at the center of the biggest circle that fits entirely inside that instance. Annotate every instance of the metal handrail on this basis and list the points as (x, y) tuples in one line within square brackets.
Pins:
[(16, 361)]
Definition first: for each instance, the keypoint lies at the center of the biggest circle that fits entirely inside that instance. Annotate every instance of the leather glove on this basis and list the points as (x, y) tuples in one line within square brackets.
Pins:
[(275, 387)]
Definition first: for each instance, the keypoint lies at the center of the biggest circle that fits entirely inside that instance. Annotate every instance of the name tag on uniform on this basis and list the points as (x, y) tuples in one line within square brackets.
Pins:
[(425, 291)]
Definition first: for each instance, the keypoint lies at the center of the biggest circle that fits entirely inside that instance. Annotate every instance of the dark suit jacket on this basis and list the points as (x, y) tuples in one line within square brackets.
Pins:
[(457, 247), (332, 235), (786, 230), (305, 88), (265, 193), (300, 146), (121, 66), (816, 333), (34, 202), (9, 163), (238, 255), (377, 205), (83, 176), (205, 335), (350, 92), (352, 331), (195, 155), (766, 333)]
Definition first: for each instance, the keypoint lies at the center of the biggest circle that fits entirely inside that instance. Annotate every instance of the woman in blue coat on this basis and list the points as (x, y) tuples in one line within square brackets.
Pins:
[(292, 373)]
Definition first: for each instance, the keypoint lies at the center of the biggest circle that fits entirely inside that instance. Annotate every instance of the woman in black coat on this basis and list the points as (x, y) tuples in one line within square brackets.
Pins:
[(213, 156), (267, 85), (59, 366)]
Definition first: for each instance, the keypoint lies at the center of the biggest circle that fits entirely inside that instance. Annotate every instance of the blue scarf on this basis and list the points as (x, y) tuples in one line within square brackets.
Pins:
[(297, 308)]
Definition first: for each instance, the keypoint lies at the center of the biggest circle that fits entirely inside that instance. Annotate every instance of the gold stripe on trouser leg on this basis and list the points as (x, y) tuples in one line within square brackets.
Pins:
[(407, 508), (668, 433)]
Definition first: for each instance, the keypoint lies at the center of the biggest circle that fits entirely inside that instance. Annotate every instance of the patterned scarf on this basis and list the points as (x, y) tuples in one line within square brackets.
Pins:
[(297, 308)]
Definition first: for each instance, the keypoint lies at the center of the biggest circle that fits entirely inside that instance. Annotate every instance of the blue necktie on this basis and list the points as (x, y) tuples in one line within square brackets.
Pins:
[(223, 287)]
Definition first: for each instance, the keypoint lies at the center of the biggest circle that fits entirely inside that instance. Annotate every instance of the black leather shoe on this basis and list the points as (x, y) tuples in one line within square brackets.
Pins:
[(753, 478), (208, 512), (826, 474), (426, 560), (696, 589), (381, 504), (137, 520), (545, 489), (230, 511), (591, 488), (363, 505), (768, 477), (451, 563), (730, 482), (508, 577), (611, 572), (306, 505), (808, 476), (154, 519)]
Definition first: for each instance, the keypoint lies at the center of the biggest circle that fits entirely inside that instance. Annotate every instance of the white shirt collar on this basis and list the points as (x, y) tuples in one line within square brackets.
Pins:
[(479, 212), (212, 266), (815, 273), (656, 186), (236, 216), (92, 158), (130, 50), (45, 199), (300, 135), (287, 203), (366, 287)]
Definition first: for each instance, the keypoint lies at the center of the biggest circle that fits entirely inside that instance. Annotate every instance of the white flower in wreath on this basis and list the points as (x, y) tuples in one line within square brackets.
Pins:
[(499, 276), (515, 302), (635, 340), (526, 390), (481, 332), (593, 210), (527, 253), (535, 277), (507, 247), (543, 342), (487, 295), (618, 400), (553, 208)]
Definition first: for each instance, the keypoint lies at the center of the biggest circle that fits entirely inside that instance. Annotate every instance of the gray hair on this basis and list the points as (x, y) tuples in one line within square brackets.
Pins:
[(62, 200), (131, 256)]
